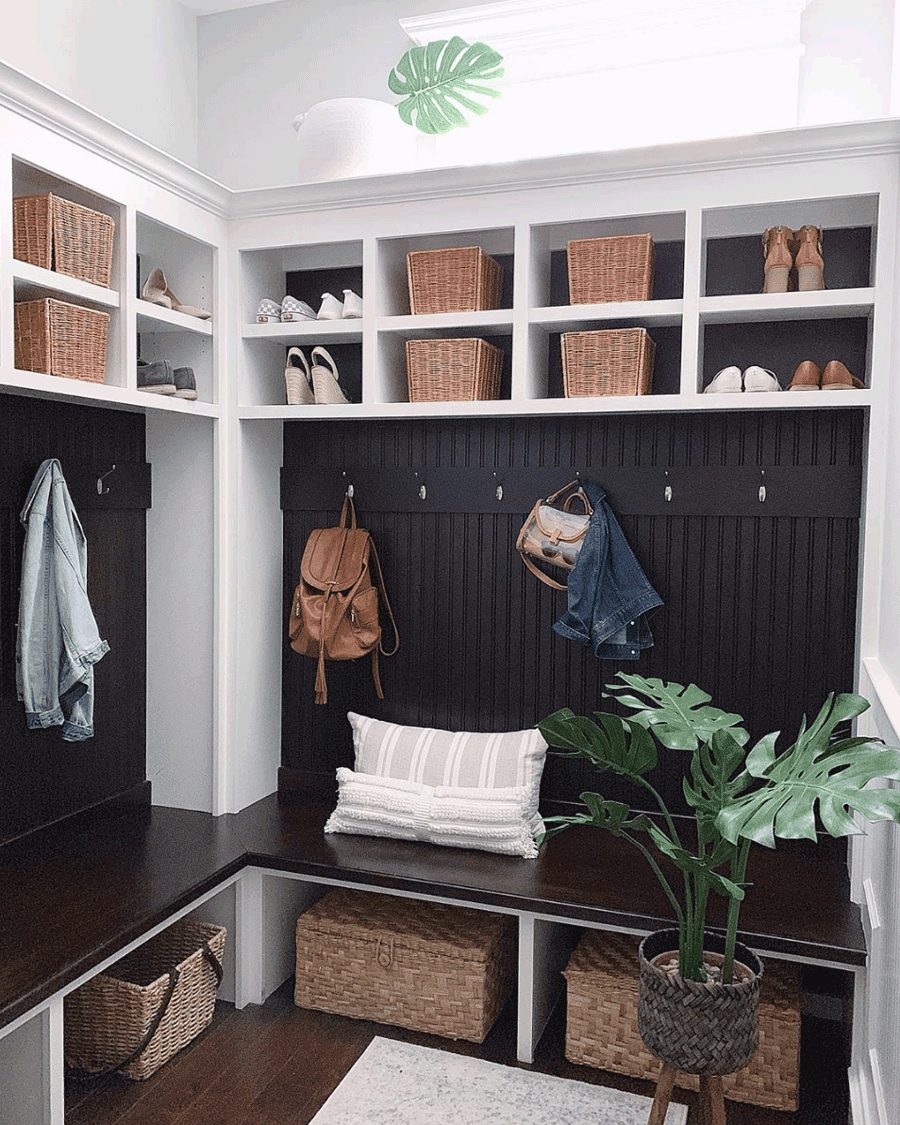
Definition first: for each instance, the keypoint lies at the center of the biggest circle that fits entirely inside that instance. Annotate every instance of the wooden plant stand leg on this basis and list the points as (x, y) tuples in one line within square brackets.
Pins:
[(664, 1085), (712, 1101)]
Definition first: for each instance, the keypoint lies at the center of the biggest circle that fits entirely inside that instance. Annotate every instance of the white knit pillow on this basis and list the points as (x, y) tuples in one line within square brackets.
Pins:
[(489, 820), (442, 757)]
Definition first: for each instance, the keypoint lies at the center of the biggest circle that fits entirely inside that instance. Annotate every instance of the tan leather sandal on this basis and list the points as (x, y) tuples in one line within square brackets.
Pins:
[(779, 259), (808, 259), (807, 377), (838, 377)]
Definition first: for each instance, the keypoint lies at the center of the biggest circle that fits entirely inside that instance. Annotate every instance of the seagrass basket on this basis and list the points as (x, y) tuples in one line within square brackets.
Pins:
[(610, 269), (439, 969), (58, 338), (145, 1008), (612, 361), (602, 1023), (453, 370), (60, 235), (461, 279)]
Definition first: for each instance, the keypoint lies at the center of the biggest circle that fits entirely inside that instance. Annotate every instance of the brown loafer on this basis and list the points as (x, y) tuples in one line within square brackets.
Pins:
[(837, 377), (807, 377)]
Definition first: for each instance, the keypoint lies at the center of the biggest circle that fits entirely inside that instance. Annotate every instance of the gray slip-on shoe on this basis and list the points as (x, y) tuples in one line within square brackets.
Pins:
[(156, 378), (185, 383)]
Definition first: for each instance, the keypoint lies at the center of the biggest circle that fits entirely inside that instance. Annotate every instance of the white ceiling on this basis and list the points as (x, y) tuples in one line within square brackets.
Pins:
[(209, 7)]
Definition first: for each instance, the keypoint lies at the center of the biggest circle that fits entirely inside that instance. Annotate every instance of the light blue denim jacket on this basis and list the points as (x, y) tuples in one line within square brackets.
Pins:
[(58, 640)]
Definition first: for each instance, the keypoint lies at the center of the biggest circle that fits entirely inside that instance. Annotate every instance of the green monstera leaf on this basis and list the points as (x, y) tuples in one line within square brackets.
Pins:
[(679, 716), (441, 79), (610, 743), (717, 775), (814, 775)]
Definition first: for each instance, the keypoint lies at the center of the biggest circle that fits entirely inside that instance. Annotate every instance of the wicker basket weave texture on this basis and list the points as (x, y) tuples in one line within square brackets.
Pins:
[(424, 966), (462, 279), (57, 234), (106, 1018), (453, 370), (610, 269), (58, 338), (612, 361), (602, 1026)]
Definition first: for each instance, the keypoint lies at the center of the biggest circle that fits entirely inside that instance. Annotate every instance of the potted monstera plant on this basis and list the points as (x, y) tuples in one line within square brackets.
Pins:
[(699, 989)]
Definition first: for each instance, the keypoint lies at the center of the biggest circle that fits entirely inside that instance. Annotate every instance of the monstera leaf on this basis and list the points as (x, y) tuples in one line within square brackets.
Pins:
[(715, 780), (439, 80), (679, 716), (610, 743), (814, 775), (696, 865)]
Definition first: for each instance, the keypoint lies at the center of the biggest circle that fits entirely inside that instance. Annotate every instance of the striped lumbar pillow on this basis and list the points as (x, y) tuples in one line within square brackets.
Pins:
[(489, 820), (446, 758)]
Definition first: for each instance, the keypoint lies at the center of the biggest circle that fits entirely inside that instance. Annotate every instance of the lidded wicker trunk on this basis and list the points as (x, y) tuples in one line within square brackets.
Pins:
[(602, 1023), (440, 969), (174, 976)]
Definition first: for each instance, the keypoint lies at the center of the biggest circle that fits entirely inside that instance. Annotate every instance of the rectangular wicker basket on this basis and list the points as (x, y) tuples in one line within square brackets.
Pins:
[(602, 1031), (453, 370), (58, 338), (612, 361), (169, 982), (461, 279), (425, 966), (610, 269), (60, 235)]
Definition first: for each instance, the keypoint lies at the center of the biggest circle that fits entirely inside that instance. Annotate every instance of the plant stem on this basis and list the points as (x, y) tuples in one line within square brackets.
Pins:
[(738, 875), (667, 816), (663, 881)]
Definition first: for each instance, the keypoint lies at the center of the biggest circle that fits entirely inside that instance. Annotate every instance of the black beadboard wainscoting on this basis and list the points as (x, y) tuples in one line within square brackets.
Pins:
[(42, 778), (760, 587)]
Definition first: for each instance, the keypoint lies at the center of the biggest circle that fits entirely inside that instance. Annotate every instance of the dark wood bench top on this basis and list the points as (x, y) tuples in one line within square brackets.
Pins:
[(67, 904)]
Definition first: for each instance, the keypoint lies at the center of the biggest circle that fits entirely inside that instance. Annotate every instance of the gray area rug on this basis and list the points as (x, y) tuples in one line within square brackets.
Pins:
[(400, 1084)]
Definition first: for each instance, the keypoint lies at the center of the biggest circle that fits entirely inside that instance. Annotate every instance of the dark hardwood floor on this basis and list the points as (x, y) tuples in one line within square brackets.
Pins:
[(277, 1064)]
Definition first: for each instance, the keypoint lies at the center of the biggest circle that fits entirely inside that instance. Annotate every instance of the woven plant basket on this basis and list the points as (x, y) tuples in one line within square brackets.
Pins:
[(602, 1023), (57, 338), (453, 370), (613, 361), (455, 280), (145, 1008), (433, 968), (610, 269), (60, 235)]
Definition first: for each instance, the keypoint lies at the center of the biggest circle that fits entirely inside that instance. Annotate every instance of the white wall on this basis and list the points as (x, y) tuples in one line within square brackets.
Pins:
[(131, 61), (260, 67)]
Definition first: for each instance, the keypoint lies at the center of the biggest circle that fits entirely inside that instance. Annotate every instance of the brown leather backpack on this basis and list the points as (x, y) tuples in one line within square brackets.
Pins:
[(334, 611)]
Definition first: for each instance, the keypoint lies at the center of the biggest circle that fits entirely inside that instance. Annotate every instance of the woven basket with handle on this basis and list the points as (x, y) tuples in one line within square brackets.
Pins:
[(610, 269), (146, 1007), (58, 338), (462, 279), (453, 370), (612, 361), (60, 235), (425, 966)]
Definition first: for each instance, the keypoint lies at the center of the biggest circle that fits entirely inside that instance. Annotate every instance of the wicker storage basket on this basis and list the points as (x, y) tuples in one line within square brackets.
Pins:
[(458, 280), (57, 338), (610, 269), (602, 1025), (60, 235), (433, 968), (614, 361), (165, 989), (453, 370)]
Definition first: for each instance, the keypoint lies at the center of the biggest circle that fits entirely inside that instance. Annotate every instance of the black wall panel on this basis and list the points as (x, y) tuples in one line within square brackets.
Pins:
[(760, 609), (43, 778)]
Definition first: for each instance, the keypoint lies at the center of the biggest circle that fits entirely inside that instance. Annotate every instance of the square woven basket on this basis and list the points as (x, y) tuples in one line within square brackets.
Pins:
[(462, 279), (439, 969), (453, 370), (60, 235), (610, 269), (602, 1029), (107, 1019), (58, 338), (613, 361)]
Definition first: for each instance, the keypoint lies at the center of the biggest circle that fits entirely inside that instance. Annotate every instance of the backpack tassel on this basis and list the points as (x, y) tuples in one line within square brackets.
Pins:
[(321, 683)]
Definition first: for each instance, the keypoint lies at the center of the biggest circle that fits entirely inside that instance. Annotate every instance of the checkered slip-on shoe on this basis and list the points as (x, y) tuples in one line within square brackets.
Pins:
[(292, 309), (269, 312)]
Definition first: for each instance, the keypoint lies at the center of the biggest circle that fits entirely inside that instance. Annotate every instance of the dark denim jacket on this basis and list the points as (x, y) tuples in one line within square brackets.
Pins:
[(608, 592)]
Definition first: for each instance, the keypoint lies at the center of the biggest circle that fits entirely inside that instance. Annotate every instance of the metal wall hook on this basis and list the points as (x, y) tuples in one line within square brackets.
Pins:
[(667, 491), (762, 487), (498, 491), (103, 490), (349, 489)]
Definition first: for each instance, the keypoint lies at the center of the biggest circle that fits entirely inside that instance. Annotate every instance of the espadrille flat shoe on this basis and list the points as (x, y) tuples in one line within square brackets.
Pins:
[(298, 379), (325, 380), (760, 379), (806, 377), (838, 377), (727, 381)]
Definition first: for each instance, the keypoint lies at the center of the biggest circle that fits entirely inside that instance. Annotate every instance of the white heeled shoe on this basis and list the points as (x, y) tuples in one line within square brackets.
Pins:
[(727, 381), (331, 308), (298, 380), (353, 308), (325, 380)]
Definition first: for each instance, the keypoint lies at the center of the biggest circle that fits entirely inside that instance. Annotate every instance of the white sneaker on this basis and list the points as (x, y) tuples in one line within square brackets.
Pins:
[(352, 305), (331, 308), (269, 312), (760, 379), (292, 309), (728, 381)]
